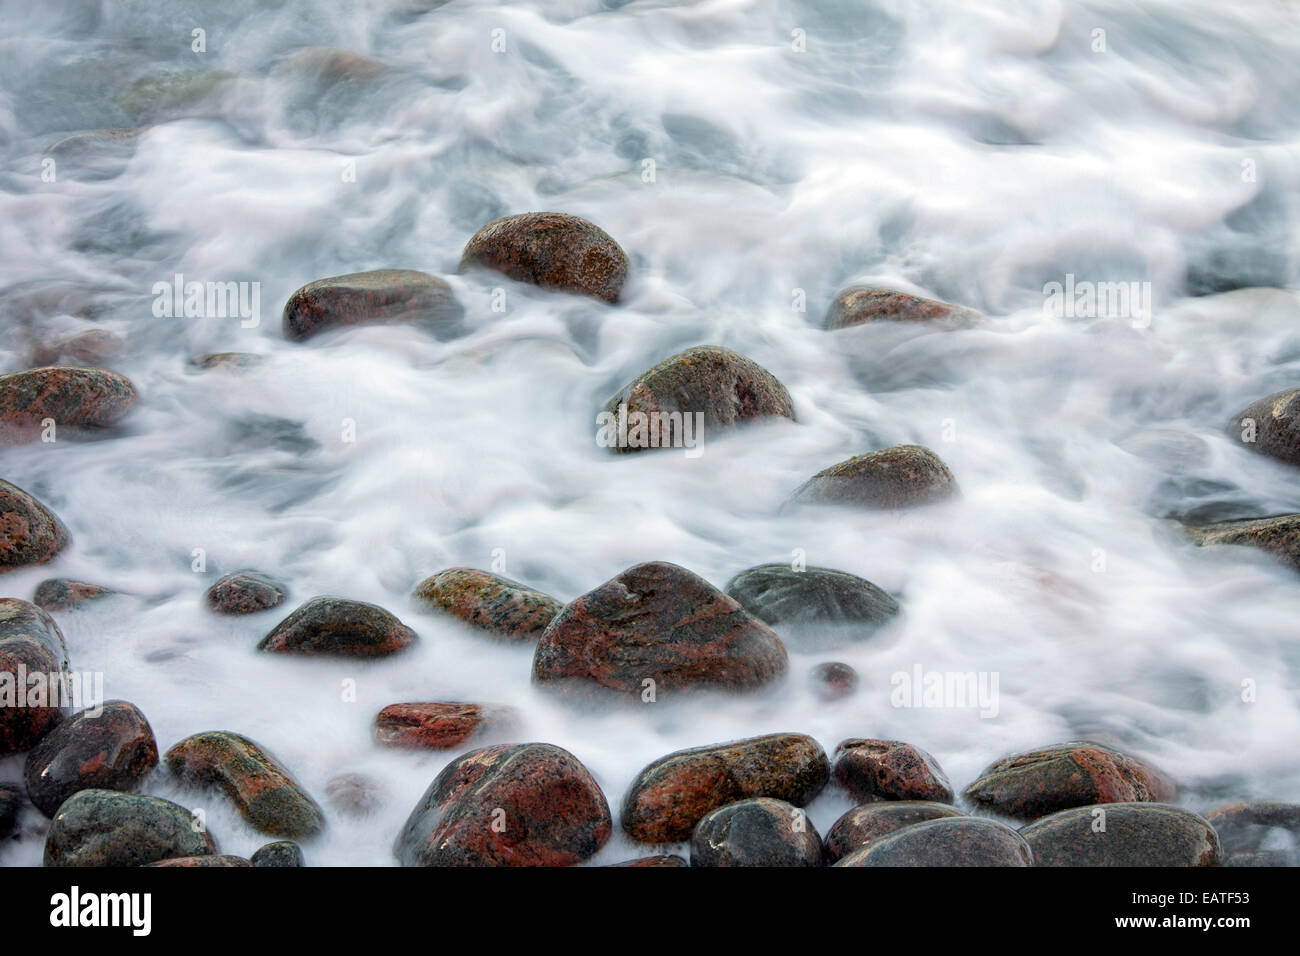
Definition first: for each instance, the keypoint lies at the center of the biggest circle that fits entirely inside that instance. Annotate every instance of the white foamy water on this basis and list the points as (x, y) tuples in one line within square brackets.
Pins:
[(967, 154)]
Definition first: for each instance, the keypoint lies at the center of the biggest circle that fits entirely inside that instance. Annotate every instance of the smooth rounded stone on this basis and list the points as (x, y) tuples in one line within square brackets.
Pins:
[(354, 795), (871, 821), (860, 304), (30, 533), (1243, 828), (497, 606), (339, 627), (552, 250), (11, 805), (759, 831), (1075, 774), (171, 95), (662, 407), (1279, 536), (379, 297), (75, 399), (657, 622), (1271, 426), (510, 805), (955, 841), (819, 605), (261, 789), (109, 750), (281, 853), (203, 861), (899, 477), (245, 592), (32, 655), (1123, 834), (92, 347), (833, 680), (227, 361), (330, 65), (439, 726), (646, 862), (889, 770), (62, 594), (672, 794), (108, 828)]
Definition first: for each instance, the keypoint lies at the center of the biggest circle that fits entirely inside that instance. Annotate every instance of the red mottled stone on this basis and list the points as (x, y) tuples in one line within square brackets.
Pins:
[(897, 477), (552, 250), (370, 298), (659, 622), (889, 770), (1080, 773), (354, 795), (871, 821), (1134, 834), (671, 795), (61, 594), (510, 805), (245, 592), (949, 841), (337, 626), (112, 750), (30, 644), (261, 789), (75, 398), (30, 533), (93, 347), (857, 305), (437, 726), (497, 606), (669, 860), (203, 861), (833, 680)]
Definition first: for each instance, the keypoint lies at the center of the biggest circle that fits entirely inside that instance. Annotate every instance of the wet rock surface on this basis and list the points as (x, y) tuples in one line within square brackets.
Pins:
[(107, 828), (439, 726), (1258, 834), (339, 627), (657, 622), (552, 250), (869, 822), (187, 862), (284, 853), (255, 782), (62, 594), (1080, 773), (497, 606), (245, 592), (378, 297), (661, 407), (511, 805), (899, 477), (32, 656), (860, 304), (955, 841), (757, 832), (1279, 536), (889, 770), (821, 606), (11, 806), (833, 680), (1271, 426), (1123, 834), (30, 533), (645, 862), (670, 796), (75, 399), (109, 750)]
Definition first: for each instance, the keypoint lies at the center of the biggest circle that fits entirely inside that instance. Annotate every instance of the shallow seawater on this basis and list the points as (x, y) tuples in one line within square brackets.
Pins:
[(967, 154)]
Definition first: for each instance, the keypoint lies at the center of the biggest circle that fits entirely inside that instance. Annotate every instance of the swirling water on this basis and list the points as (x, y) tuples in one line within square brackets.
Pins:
[(969, 152)]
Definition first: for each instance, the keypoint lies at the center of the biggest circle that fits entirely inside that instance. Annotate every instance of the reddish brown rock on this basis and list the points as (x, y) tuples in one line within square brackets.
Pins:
[(833, 680), (234, 362), (520, 805), (657, 622), (552, 250), (354, 795), (32, 657), (497, 606), (889, 770), (339, 627), (260, 788), (329, 65), (1271, 426), (956, 841), (871, 821), (29, 532), (435, 726), (646, 862), (372, 298), (75, 399), (1122, 835), (898, 477), (661, 408), (1080, 773), (203, 861), (95, 347), (670, 796), (245, 592), (62, 594), (860, 304), (112, 749)]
